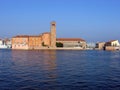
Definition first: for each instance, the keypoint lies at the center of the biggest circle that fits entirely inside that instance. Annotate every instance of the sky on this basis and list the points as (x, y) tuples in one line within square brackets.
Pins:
[(92, 20)]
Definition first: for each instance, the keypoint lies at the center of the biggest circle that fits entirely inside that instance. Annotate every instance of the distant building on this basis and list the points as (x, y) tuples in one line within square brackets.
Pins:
[(47, 39), (112, 45), (53, 34), (20, 42), (8, 43), (72, 42), (100, 45), (34, 42), (90, 46), (2, 44)]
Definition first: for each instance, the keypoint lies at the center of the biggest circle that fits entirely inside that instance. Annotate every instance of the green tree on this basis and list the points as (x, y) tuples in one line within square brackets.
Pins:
[(59, 44), (43, 44)]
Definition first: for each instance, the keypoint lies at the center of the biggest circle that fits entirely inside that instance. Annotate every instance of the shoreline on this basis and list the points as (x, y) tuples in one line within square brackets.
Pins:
[(80, 49), (51, 49)]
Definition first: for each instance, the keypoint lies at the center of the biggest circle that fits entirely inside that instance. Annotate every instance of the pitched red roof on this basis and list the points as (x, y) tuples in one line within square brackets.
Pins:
[(26, 36), (21, 36), (69, 39), (110, 41), (35, 36)]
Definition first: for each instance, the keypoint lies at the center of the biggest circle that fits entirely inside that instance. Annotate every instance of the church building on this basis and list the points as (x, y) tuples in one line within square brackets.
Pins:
[(47, 39)]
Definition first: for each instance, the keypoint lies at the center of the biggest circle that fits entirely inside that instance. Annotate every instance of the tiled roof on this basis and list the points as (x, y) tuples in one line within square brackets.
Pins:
[(26, 36), (111, 41), (21, 36), (69, 39), (35, 36)]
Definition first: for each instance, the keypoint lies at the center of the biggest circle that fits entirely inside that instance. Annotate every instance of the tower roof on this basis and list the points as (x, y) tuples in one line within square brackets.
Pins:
[(53, 22)]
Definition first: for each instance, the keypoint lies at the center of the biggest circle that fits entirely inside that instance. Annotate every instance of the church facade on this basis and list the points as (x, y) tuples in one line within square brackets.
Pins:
[(45, 40)]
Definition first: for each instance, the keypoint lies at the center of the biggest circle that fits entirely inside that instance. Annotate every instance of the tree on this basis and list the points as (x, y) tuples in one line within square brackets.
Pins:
[(59, 44), (43, 44)]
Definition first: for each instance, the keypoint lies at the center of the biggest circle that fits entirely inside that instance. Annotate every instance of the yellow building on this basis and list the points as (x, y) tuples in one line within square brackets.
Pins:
[(47, 39), (35, 42), (53, 34), (20, 42), (100, 45), (112, 45)]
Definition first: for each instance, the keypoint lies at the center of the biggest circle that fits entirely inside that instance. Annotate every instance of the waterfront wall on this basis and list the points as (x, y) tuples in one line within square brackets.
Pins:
[(35, 42), (111, 48), (20, 43)]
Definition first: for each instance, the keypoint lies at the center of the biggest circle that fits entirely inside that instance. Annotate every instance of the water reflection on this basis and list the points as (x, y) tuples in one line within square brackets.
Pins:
[(36, 63), (49, 60), (56, 70)]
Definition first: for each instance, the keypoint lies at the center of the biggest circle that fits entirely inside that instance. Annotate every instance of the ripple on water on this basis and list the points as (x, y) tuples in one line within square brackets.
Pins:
[(57, 70)]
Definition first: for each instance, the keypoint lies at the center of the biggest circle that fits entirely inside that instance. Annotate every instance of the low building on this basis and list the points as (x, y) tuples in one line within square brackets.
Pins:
[(47, 39), (20, 42), (112, 45), (2, 44), (90, 46), (8, 43), (100, 45), (72, 42), (35, 42)]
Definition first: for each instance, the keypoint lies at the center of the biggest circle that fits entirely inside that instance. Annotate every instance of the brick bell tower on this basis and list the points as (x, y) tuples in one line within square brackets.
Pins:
[(53, 34)]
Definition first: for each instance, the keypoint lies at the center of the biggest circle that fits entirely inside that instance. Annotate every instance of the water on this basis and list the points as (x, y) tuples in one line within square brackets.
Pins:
[(59, 70)]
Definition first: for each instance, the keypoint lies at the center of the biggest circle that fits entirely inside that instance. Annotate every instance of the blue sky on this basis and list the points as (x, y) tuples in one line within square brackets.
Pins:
[(92, 20)]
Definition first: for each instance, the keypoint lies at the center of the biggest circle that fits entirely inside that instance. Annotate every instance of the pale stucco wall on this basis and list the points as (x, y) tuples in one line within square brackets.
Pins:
[(20, 43), (46, 39), (115, 43)]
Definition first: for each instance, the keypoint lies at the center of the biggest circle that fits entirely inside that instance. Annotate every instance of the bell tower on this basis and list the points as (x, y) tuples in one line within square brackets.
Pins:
[(53, 34)]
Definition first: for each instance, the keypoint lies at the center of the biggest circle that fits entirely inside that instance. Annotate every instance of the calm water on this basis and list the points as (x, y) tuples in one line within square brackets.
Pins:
[(59, 70)]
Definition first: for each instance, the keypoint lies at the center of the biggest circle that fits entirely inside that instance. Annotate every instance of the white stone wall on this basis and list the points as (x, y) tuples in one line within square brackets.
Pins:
[(115, 43), (73, 44), (1, 42)]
